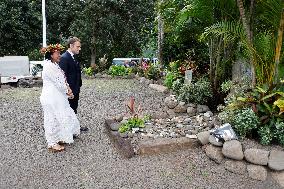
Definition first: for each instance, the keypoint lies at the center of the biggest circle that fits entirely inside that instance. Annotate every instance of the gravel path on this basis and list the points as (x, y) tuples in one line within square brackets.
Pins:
[(91, 162)]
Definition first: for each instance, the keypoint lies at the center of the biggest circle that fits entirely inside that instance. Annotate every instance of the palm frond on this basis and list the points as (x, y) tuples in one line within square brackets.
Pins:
[(229, 30)]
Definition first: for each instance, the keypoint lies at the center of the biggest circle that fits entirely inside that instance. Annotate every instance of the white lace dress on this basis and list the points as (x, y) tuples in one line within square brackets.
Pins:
[(60, 121)]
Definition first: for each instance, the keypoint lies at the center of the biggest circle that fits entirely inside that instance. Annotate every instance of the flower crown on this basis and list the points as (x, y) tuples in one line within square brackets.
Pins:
[(52, 48)]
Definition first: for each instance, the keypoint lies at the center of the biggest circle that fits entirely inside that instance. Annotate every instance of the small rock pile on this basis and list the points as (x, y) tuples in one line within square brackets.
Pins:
[(178, 120), (232, 153)]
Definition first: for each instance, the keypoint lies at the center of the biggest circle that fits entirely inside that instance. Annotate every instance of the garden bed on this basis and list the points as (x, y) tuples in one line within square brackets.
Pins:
[(129, 146)]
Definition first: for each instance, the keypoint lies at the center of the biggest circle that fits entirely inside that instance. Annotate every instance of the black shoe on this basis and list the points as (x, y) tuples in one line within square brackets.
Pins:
[(75, 136), (84, 128)]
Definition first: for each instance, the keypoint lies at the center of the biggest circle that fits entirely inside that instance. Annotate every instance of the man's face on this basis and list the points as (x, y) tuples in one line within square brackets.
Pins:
[(75, 47)]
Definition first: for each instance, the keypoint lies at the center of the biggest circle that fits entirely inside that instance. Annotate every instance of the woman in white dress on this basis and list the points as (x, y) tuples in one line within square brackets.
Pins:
[(60, 121)]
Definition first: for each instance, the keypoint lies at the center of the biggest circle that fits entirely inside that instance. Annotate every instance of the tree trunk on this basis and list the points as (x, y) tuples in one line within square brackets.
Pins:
[(160, 39), (278, 46), (93, 58), (212, 62), (93, 51), (249, 38)]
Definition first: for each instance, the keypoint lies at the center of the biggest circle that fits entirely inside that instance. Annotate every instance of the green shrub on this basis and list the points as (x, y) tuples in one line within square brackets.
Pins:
[(152, 72), (279, 132), (88, 71), (244, 121), (170, 78), (177, 85), (266, 134), (226, 86), (198, 92), (117, 70)]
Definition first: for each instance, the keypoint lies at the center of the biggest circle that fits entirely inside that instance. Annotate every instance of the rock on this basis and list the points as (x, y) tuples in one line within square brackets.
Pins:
[(276, 160), (214, 153), (191, 136), (171, 101), (191, 111), (119, 118), (257, 172), (142, 80), (179, 125), (202, 108), (212, 140), (203, 137), (238, 167), (124, 135), (115, 126), (159, 115), (159, 88), (180, 108), (207, 117), (171, 113), (256, 156), (135, 130), (233, 149), (187, 121), (192, 105), (162, 145), (199, 119), (278, 177), (209, 113), (115, 133)]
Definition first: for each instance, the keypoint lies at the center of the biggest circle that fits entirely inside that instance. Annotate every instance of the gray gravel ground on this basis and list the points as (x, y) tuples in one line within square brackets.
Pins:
[(92, 162)]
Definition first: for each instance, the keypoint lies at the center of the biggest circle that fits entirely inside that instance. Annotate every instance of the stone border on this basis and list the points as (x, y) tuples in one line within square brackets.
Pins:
[(148, 147), (255, 162), (123, 145)]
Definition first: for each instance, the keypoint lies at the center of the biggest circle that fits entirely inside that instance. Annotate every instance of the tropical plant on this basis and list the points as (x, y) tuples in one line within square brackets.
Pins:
[(118, 70), (88, 71), (199, 92), (152, 72), (245, 121), (133, 122), (259, 49), (177, 85)]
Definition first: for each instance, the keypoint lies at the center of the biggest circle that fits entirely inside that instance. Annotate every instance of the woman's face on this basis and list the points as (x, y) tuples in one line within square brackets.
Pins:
[(55, 57)]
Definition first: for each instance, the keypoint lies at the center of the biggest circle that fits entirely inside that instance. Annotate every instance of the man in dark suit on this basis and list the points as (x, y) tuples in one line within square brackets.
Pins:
[(71, 67)]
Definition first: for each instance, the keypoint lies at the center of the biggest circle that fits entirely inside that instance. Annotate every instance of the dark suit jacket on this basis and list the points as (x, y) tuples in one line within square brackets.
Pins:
[(72, 71)]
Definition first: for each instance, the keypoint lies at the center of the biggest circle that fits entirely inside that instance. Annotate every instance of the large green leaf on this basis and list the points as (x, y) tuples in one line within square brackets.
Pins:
[(280, 104)]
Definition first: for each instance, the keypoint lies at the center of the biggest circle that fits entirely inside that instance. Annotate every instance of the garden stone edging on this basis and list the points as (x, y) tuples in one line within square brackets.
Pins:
[(123, 145), (253, 161)]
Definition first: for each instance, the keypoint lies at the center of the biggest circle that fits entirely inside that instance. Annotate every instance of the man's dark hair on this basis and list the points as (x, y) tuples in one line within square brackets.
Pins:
[(72, 40)]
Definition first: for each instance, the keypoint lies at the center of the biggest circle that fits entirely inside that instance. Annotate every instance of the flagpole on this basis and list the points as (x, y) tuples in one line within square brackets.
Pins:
[(43, 24)]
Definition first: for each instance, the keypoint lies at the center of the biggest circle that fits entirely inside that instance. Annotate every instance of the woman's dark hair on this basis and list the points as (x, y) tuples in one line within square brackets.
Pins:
[(48, 55)]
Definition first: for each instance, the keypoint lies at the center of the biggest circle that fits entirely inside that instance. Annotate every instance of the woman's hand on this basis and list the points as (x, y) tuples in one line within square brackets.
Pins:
[(69, 93)]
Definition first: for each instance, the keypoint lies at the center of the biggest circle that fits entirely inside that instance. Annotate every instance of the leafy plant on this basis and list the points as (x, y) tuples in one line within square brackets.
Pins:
[(198, 92), (226, 86), (266, 134), (133, 122), (279, 132), (152, 72), (244, 121), (118, 70), (171, 77), (177, 85), (267, 101), (88, 71)]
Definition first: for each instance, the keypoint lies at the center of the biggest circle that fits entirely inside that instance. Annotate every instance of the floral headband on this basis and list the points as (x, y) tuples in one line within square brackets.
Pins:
[(52, 48)]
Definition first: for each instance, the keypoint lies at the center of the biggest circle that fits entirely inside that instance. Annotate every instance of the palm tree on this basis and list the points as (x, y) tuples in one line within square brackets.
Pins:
[(259, 49)]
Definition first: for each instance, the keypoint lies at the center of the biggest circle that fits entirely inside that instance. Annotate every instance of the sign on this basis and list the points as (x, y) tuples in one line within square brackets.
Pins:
[(188, 77)]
